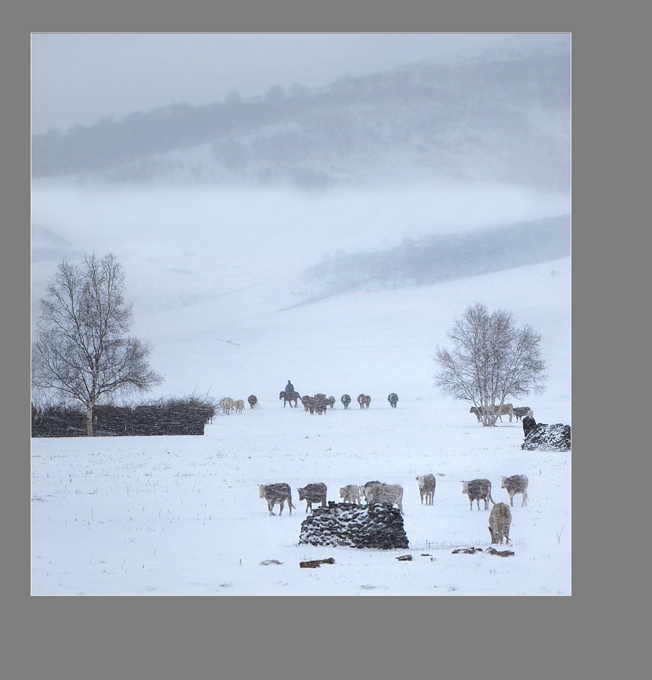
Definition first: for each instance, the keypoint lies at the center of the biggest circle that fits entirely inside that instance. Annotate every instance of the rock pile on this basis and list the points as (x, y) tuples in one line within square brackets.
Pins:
[(544, 437), (378, 525)]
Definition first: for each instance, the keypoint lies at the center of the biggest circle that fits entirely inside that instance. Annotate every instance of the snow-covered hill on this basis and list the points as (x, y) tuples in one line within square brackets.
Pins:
[(496, 114)]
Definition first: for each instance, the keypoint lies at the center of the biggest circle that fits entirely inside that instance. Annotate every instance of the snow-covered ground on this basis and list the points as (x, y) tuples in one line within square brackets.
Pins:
[(182, 515)]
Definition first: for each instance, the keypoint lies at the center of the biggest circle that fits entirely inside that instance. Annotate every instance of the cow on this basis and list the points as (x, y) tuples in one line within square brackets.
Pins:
[(500, 519), (520, 411), (227, 405), (350, 494), (364, 400), (363, 489), (515, 484), (308, 403), (392, 399), (252, 399), (321, 403), (346, 400), (288, 397), (313, 493), (427, 485), (529, 423), (331, 401), (276, 493), (385, 493), (476, 490), (506, 410), (239, 406)]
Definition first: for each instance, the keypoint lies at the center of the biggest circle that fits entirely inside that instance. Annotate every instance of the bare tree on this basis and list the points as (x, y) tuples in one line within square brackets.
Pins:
[(81, 350), (491, 361)]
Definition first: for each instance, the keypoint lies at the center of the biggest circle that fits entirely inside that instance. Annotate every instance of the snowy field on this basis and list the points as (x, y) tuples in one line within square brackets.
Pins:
[(182, 515)]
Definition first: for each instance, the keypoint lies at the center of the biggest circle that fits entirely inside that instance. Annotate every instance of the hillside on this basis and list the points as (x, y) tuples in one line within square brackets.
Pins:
[(496, 115)]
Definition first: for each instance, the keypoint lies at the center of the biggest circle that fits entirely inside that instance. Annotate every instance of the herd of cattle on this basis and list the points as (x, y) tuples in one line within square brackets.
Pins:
[(510, 410), (319, 403), (314, 404), (500, 517)]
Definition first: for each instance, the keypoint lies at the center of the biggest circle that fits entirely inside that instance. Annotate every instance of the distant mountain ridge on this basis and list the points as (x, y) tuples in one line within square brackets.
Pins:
[(438, 258), (500, 114)]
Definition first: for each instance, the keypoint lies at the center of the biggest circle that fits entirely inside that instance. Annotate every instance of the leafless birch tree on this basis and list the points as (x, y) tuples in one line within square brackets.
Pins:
[(491, 360), (81, 350)]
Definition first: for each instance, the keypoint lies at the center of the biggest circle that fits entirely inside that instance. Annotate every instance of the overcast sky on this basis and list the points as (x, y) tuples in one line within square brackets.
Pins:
[(83, 77)]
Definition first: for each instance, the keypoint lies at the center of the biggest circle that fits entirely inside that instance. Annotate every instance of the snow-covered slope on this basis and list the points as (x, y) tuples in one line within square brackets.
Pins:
[(182, 515)]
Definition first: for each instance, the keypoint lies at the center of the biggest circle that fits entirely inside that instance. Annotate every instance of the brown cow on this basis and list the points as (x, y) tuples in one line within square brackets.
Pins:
[(500, 519)]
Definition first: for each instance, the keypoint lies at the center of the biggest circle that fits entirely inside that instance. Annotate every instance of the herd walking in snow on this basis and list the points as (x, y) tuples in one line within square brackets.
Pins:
[(371, 492), (500, 517)]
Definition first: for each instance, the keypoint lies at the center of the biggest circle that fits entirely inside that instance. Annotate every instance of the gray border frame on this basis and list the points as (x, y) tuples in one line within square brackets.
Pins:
[(193, 637)]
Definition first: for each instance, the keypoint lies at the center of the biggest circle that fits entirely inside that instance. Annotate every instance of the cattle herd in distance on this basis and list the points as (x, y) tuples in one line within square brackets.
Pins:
[(317, 403)]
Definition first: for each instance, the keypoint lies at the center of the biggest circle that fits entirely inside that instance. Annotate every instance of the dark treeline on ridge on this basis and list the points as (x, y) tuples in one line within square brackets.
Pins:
[(438, 258), (512, 111)]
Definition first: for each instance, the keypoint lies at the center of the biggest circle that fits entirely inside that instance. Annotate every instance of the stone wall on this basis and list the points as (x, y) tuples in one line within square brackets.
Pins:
[(378, 525)]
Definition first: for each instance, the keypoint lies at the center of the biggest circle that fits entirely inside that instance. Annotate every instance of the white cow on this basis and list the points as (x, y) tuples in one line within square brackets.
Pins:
[(515, 484), (427, 485), (350, 494), (239, 406), (227, 405), (385, 493)]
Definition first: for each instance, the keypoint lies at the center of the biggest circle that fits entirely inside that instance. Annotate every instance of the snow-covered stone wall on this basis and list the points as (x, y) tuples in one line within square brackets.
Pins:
[(378, 525), (544, 437)]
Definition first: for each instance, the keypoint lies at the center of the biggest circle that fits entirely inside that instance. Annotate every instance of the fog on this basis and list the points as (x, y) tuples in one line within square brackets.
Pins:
[(226, 237), (83, 77), (391, 139)]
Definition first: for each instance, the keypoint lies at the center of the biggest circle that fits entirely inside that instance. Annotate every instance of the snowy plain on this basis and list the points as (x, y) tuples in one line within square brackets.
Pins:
[(182, 515)]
